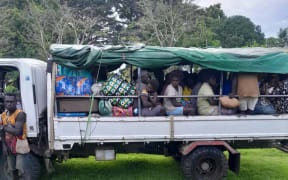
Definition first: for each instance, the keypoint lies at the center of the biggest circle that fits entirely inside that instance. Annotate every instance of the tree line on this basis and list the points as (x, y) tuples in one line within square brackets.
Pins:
[(29, 27)]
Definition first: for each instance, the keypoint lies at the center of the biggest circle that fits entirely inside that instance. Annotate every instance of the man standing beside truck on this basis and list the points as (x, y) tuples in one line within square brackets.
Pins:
[(15, 144)]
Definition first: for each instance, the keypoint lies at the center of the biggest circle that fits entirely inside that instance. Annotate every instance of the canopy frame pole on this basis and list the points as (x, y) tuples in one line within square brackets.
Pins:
[(220, 93), (52, 107), (138, 90), (131, 73)]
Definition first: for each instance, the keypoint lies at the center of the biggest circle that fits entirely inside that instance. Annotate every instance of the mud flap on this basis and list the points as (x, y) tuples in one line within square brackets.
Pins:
[(234, 162)]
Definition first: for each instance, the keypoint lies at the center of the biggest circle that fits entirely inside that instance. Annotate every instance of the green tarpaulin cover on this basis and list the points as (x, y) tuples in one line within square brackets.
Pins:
[(269, 60)]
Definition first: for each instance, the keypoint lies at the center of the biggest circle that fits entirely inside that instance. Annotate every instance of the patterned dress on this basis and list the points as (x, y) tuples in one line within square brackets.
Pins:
[(280, 103)]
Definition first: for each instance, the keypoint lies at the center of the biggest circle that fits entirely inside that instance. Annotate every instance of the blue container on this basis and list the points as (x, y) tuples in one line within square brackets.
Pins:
[(70, 85), (60, 85), (84, 86), (73, 82), (71, 114)]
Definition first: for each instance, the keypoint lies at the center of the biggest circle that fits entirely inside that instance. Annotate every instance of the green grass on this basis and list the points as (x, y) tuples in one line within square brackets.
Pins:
[(256, 164)]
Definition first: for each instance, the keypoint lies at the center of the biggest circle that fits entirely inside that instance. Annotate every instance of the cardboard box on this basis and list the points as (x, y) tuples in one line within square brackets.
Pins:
[(78, 105)]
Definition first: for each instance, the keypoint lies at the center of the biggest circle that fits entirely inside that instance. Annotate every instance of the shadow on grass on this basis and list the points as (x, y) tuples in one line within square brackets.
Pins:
[(262, 164), (126, 167), (256, 164)]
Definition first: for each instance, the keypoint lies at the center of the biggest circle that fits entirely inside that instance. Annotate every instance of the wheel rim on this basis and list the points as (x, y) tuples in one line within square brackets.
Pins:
[(206, 166)]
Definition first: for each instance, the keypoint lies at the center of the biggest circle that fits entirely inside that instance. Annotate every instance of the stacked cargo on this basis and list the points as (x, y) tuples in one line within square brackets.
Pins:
[(72, 82), (117, 86), (70, 86)]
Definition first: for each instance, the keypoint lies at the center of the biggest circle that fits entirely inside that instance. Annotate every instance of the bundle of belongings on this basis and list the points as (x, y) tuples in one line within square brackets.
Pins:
[(117, 86)]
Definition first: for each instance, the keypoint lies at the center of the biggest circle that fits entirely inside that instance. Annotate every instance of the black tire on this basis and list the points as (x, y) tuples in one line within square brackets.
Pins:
[(205, 163)]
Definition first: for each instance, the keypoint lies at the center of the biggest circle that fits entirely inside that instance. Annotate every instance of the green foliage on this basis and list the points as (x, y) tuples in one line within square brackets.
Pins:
[(203, 35), (12, 76), (239, 31), (15, 30), (255, 44), (99, 23), (215, 43), (283, 36), (11, 81), (167, 23), (29, 27), (259, 36), (11, 89), (273, 42), (19, 4)]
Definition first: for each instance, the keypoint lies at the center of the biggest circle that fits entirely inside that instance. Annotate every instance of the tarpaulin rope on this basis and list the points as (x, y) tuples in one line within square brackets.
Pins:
[(91, 106)]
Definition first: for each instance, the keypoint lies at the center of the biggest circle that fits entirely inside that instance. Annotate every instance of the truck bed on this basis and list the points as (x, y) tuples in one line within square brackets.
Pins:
[(70, 130)]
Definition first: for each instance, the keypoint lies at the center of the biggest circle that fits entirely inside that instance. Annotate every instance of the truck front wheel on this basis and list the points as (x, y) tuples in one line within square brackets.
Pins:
[(207, 163)]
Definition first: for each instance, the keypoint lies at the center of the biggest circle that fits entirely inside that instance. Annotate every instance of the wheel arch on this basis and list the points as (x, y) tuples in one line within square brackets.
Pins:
[(234, 155)]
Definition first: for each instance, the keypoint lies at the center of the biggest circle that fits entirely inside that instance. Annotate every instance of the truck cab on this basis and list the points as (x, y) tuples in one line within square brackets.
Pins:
[(30, 80), (29, 77)]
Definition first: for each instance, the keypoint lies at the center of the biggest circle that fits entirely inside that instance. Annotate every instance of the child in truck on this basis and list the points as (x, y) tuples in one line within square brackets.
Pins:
[(150, 102)]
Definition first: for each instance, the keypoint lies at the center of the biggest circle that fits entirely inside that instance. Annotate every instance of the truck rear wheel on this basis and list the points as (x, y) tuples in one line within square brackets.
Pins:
[(205, 163)]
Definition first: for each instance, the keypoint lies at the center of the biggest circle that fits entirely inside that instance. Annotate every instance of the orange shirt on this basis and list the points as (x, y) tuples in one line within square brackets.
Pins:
[(12, 120)]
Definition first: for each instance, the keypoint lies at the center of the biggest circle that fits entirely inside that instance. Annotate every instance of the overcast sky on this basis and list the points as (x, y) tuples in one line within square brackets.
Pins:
[(269, 14)]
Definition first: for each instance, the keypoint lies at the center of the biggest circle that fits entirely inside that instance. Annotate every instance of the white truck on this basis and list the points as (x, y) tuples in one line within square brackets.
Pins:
[(198, 140)]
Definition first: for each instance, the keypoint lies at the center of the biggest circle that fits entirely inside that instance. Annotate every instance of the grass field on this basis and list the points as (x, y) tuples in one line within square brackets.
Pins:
[(256, 164)]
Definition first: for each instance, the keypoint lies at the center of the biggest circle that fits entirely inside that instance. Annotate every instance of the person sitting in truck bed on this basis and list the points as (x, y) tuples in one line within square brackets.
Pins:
[(144, 80), (208, 105), (173, 105), (189, 83), (266, 84), (248, 91), (166, 83), (195, 90), (168, 78), (150, 102), (279, 86)]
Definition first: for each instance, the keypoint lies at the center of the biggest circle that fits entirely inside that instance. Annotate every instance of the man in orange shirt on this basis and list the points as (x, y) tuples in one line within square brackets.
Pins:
[(14, 128)]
